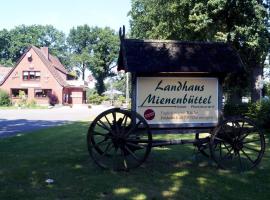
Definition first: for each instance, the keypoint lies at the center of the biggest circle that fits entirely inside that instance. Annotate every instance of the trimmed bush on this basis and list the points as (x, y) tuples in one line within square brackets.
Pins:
[(97, 99), (259, 112), (4, 98)]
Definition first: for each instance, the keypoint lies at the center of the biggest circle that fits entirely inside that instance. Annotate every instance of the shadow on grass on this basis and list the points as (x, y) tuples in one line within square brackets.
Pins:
[(174, 172)]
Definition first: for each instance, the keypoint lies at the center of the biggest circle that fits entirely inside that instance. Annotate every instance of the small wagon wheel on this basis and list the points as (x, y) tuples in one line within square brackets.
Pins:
[(119, 139), (237, 144)]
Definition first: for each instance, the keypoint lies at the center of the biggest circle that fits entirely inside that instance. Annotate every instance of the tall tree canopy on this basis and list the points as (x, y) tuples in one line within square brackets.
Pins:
[(14, 42), (243, 23), (94, 48)]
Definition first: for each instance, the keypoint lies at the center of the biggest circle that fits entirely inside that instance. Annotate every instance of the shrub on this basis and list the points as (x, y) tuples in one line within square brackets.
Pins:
[(122, 99), (4, 98), (231, 109), (97, 99), (32, 103), (53, 99), (259, 112), (22, 99)]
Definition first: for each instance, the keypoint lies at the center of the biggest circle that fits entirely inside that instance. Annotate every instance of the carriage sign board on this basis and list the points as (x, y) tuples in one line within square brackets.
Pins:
[(177, 100)]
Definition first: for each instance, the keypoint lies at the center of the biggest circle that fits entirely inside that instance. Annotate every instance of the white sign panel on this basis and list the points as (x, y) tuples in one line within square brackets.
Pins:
[(177, 100)]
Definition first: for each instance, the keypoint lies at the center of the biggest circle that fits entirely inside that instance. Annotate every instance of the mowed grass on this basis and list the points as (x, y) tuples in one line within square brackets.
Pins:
[(173, 172)]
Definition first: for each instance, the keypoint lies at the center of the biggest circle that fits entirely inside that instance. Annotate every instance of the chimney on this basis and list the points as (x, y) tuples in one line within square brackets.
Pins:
[(45, 51)]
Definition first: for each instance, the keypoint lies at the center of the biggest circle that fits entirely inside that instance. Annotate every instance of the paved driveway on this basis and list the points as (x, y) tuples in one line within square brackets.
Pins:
[(17, 121)]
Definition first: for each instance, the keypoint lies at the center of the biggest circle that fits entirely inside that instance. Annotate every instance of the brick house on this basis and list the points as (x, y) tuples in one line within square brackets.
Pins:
[(41, 75)]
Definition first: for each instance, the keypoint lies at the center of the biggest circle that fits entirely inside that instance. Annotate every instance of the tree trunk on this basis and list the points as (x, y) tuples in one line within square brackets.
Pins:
[(100, 86), (256, 83), (83, 71), (235, 97)]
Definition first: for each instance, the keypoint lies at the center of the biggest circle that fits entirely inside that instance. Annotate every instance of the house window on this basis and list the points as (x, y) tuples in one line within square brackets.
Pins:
[(15, 93), (42, 93), (31, 75)]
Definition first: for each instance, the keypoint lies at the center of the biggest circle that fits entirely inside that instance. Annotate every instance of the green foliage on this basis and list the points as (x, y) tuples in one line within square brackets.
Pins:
[(31, 104), (13, 43), (4, 98), (96, 49), (258, 111), (231, 109), (22, 99), (121, 98), (242, 23), (97, 99)]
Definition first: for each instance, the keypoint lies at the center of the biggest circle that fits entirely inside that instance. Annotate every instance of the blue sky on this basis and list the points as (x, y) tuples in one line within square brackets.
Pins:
[(65, 14)]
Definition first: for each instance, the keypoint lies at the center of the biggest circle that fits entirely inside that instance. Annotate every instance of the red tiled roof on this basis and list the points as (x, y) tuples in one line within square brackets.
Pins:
[(4, 71), (53, 65), (56, 63)]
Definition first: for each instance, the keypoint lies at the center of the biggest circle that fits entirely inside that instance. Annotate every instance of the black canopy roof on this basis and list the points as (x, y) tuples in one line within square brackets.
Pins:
[(146, 56)]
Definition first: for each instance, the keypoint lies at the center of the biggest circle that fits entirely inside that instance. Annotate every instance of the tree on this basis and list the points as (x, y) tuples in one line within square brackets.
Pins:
[(4, 46), (17, 40), (94, 48), (80, 43), (242, 23)]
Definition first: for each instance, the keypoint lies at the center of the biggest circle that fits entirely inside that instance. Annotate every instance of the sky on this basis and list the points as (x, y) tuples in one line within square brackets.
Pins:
[(65, 14)]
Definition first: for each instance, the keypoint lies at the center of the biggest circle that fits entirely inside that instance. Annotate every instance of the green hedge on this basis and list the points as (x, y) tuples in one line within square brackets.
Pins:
[(4, 98), (259, 112), (97, 99)]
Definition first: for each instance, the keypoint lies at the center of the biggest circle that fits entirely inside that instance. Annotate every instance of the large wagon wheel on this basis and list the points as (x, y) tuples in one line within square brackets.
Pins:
[(237, 144), (119, 139)]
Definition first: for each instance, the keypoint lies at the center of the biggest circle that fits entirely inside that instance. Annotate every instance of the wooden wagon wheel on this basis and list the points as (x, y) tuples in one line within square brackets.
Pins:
[(237, 144), (119, 139)]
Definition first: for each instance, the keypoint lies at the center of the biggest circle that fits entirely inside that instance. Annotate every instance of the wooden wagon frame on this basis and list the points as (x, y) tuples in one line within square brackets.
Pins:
[(190, 72)]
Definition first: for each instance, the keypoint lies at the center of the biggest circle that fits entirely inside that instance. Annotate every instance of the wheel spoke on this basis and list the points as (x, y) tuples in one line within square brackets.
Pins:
[(229, 153), (102, 125), (225, 146), (108, 121), (220, 150), (246, 142), (247, 156), (124, 122), (124, 159), (240, 162), (101, 134), (249, 148), (133, 128), (108, 147), (101, 143), (115, 123), (136, 145), (249, 131), (132, 154)]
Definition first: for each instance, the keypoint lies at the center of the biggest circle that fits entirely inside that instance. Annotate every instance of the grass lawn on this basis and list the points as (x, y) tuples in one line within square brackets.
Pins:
[(174, 172)]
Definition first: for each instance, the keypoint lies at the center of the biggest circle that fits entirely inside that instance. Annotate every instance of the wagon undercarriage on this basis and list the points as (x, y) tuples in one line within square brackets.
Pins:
[(122, 140)]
